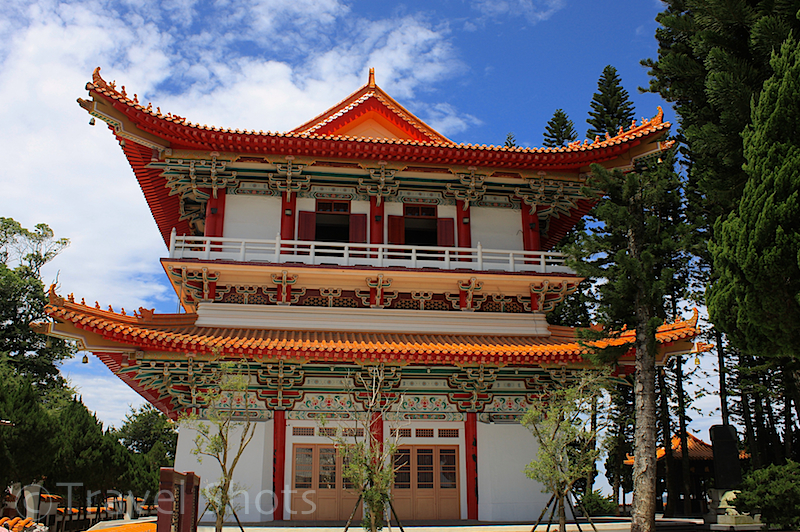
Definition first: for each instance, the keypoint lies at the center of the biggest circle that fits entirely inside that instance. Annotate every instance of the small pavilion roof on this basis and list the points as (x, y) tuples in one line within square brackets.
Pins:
[(147, 330), (698, 450)]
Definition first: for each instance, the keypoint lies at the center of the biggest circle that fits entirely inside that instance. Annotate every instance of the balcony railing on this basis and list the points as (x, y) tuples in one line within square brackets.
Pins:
[(372, 255)]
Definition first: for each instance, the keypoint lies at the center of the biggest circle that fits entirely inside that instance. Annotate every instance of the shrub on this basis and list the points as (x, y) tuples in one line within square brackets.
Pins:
[(596, 504), (775, 493)]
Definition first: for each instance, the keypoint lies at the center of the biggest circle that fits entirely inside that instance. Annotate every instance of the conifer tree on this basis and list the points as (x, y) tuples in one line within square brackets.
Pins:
[(628, 249), (511, 141), (560, 130), (611, 106), (756, 298)]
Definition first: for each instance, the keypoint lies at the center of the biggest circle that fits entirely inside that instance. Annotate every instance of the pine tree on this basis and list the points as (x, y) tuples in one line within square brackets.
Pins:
[(559, 131), (756, 299), (611, 106), (629, 249)]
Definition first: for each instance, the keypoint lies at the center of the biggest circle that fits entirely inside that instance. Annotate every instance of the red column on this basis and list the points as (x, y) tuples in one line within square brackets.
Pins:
[(288, 215), (531, 238), (463, 223), (471, 441), (215, 213), (278, 460), (376, 220)]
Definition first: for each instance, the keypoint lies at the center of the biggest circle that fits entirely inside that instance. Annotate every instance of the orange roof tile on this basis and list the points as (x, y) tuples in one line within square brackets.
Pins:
[(177, 333), (306, 131), (698, 450), (373, 97)]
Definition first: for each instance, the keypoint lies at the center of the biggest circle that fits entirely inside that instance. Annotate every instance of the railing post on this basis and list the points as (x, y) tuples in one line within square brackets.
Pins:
[(278, 248), (413, 257), (312, 253), (511, 263), (447, 259), (346, 255), (207, 252), (480, 256), (173, 235), (380, 255), (242, 255)]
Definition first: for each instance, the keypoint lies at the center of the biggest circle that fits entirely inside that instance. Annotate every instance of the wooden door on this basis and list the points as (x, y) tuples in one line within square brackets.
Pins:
[(320, 492), (426, 482)]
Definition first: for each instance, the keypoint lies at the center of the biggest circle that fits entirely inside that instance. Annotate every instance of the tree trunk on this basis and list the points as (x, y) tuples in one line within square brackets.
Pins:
[(643, 518), (723, 388), (669, 460), (787, 423), (685, 466), (755, 456), (562, 513), (592, 447), (776, 449)]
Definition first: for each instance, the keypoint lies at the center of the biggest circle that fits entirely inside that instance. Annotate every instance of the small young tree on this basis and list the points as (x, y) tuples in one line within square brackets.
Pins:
[(368, 457), (224, 433), (561, 425)]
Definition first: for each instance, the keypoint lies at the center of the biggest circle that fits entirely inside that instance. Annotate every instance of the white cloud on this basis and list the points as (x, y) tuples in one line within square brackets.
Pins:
[(104, 394), (533, 10), (266, 65), (445, 119)]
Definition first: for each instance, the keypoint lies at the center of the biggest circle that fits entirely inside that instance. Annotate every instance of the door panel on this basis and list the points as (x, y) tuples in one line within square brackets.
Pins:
[(358, 228), (317, 476), (426, 483), (446, 232), (397, 230)]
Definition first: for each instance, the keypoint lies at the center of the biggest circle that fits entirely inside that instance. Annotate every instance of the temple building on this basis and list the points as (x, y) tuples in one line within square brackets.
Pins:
[(361, 241)]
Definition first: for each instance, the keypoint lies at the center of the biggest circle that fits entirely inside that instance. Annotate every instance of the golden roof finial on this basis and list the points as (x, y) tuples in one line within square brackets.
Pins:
[(371, 81)]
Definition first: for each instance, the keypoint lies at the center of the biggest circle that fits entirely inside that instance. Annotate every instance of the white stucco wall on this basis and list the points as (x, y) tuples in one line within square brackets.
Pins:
[(496, 228), (446, 211), (257, 217), (504, 492), (359, 207), (253, 472)]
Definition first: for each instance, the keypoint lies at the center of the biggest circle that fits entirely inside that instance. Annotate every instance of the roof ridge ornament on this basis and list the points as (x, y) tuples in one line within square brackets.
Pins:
[(371, 79)]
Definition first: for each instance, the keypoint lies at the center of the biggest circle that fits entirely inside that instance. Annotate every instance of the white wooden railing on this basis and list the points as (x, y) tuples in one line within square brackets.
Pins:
[(373, 255)]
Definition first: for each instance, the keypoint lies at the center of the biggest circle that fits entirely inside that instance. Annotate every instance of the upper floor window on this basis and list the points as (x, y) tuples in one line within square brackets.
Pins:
[(332, 221), (420, 226)]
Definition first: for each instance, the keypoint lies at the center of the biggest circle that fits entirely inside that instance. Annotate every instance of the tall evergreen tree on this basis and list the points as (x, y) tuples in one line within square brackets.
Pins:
[(627, 249), (756, 298), (24, 353), (611, 106), (560, 130), (713, 59)]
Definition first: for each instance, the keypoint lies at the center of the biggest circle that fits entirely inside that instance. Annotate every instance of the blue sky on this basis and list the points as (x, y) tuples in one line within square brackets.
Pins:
[(475, 70)]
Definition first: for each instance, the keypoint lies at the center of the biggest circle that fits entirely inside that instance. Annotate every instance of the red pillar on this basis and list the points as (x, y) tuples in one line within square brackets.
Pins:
[(288, 216), (531, 237), (463, 225), (376, 220), (471, 441), (278, 461), (215, 213)]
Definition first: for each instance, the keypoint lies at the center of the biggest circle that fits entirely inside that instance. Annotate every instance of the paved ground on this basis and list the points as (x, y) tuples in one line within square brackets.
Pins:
[(607, 525)]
